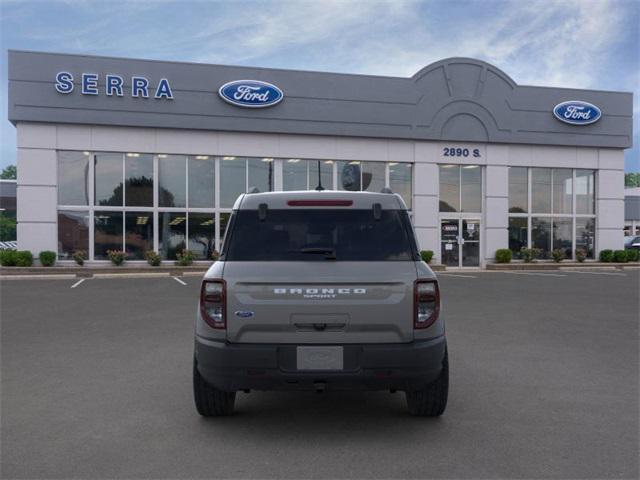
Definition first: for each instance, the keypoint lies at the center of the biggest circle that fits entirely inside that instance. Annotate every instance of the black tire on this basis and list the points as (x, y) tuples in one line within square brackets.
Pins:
[(432, 400), (211, 402)]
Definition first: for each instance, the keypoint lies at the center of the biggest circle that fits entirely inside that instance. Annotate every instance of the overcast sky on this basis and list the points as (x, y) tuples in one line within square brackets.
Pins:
[(565, 43)]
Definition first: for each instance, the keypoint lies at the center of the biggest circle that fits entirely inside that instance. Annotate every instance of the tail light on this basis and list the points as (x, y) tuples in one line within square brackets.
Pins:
[(213, 303), (426, 303)]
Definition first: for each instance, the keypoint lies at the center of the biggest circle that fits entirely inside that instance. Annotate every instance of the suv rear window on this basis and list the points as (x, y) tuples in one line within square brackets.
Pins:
[(320, 235)]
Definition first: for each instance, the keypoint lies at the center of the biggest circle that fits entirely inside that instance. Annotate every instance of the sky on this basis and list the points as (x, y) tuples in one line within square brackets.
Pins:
[(564, 43)]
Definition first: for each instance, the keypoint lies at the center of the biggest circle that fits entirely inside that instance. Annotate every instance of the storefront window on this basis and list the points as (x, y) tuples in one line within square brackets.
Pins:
[(517, 235), (260, 174), (541, 190), (585, 192), (449, 188), (562, 235), (233, 180), (585, 235), (172, 231), (107, 233), (138, 172), (562, 190), (326, 173), (349, 175), (373, 176), (202, 178), (202, 234), (138, 234), (172, 188), (471, 191), (518, 190), (73, 178), (294, 174), (73, 233), (108, 179), (400, 180), (541, 235)]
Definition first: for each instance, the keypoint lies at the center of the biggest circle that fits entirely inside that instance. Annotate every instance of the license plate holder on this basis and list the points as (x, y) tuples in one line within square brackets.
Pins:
[(320, 358)]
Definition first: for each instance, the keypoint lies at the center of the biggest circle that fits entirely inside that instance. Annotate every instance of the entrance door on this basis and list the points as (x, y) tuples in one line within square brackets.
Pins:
[(460, 242)]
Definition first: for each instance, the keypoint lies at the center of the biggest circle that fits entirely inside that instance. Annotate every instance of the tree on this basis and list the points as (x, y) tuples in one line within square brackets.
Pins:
[(9, 173), (632, 180)]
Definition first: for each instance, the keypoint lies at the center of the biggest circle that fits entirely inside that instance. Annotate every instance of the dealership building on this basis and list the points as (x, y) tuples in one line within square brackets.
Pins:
[(138, 155)]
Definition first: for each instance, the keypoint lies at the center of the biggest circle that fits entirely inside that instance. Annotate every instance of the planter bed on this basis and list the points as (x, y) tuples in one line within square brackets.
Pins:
[(89, 270), (561, 265)]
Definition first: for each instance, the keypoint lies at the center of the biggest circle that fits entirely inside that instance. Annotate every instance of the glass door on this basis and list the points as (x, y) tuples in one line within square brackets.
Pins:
[(449, 245), (470, 243)]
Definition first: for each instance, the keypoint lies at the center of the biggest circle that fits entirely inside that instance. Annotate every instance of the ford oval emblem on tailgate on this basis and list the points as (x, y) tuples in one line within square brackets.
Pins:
[(244, 314), (250, 93)]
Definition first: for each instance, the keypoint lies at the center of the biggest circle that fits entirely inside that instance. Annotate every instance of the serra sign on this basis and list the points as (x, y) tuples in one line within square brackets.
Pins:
[(113, 85), (250, 93)]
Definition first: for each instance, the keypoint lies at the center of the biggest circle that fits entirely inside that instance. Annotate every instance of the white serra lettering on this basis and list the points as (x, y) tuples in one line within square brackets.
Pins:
[(575, 112), (249, 93)]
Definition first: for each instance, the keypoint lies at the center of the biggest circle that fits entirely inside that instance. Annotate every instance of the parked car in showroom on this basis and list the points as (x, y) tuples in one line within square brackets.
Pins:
[(320, 290), (632, 242)]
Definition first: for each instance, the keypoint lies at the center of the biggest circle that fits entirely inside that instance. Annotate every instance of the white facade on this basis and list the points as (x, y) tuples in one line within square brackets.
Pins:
[(37, 173)]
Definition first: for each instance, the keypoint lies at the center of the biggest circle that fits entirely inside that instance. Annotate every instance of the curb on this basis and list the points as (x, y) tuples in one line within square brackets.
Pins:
[(561, 266)]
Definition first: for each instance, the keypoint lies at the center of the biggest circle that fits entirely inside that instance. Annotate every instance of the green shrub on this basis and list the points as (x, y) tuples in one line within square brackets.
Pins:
[(581, 254), (633, 255), (503, 255), (606, 256), (47, 258), (620, 256), (185, 258), (8, 258), (79, 256), (24, 258), (117, 257), (153, 258), (426, 255), (558, 255)]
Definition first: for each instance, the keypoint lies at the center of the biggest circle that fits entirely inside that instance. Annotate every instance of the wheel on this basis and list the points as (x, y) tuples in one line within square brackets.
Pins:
[(431, 401), (211, 402)]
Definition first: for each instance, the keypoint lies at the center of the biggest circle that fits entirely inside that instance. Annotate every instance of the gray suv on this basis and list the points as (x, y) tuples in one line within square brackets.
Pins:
[(320, 290)]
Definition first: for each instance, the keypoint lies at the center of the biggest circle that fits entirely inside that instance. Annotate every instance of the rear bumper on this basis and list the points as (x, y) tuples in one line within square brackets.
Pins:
[(405, 366)]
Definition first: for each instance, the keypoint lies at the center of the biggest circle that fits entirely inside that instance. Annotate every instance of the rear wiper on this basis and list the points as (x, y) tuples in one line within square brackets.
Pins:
[(329, 253)]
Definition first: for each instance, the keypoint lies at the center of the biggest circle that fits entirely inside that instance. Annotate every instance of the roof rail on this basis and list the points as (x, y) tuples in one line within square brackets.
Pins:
[(253, 190), (386, 190)]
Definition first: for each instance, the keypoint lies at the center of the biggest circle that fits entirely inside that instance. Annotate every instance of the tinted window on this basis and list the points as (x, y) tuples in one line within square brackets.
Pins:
[(307, 235)]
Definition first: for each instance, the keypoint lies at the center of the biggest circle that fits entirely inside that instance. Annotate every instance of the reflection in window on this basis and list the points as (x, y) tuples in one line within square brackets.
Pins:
[(233, 180), (172, 228), (562, 190), (373, 176), (261, 174), (201, 182), (449, 188), (107, 233), (562, 235), (585, 235), (541, 235), (73, 233), (517, 235), (518, 190), (541, 190), (349, 175), (108, 179), (73, 178), (471, 190), (138, 172), (294, 174), (171, 178), (326, 174), (400, 175), (202, 234), (585, 192), (138, 237)]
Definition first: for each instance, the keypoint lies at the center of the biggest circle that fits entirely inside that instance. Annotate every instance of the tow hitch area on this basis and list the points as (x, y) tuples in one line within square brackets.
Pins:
[(320, 386)]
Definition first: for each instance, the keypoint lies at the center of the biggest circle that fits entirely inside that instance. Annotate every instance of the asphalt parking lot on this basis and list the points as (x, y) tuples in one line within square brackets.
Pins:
[(96, 383)]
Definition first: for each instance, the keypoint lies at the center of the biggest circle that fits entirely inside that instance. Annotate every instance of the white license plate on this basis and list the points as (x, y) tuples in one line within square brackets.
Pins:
[(319, 358)]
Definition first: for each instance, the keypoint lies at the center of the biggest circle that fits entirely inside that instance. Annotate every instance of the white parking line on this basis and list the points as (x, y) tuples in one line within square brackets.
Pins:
[(78, 283), (538, 274), (178, 280), (598, 273), (455, 275)]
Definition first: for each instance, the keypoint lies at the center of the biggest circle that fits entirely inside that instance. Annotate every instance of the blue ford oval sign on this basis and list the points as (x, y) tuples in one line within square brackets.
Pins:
[(577, 112), (251, 93)]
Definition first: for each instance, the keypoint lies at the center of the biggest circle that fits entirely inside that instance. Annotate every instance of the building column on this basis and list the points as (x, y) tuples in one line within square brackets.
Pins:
[(425, 207), (496, 210), (610, 200), (36, 194)]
